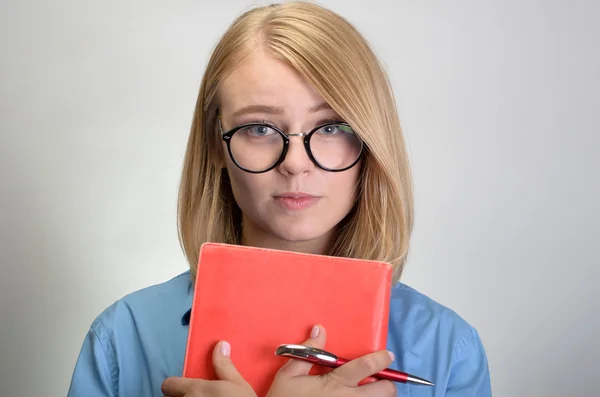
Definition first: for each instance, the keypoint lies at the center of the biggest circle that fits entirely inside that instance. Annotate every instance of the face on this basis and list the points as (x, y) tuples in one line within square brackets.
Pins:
[(296, 205)]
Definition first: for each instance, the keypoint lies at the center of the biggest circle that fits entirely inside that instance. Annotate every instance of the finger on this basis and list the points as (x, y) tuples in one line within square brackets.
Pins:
[(223, 365), (362, 367), (381, 388), (318, 338), (177, 386)]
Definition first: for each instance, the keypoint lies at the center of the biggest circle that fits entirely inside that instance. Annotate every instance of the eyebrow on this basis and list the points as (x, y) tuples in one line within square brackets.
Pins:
[(275, 109)]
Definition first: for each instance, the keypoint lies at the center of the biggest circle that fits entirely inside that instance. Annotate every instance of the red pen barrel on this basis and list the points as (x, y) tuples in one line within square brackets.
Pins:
[(388, 374), (392, 375)]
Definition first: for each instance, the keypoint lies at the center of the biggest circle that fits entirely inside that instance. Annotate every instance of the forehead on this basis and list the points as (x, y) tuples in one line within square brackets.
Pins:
[(264, 80)]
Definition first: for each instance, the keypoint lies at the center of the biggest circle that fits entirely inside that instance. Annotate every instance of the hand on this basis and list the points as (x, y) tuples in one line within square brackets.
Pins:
[(293, 380), (230, 383)]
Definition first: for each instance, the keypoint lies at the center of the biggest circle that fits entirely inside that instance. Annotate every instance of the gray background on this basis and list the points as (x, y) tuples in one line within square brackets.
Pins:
[(499, 103)]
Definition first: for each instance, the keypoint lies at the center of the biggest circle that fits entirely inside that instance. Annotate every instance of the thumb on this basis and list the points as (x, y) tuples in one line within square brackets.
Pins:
[(223, 365), (318, 338)]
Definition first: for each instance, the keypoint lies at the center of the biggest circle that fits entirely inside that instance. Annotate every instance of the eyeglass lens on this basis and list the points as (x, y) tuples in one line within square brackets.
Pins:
[(258, 147)]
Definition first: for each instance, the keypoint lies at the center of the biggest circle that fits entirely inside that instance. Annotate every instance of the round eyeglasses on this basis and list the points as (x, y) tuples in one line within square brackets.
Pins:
[(257, 147)]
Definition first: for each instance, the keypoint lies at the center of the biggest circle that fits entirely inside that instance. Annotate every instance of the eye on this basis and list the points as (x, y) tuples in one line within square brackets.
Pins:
[(259, 130), (335, 129), (330, 130)]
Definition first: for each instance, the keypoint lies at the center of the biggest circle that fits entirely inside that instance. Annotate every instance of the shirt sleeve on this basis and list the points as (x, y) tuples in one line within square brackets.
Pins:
[(95, 370), (469, 375)]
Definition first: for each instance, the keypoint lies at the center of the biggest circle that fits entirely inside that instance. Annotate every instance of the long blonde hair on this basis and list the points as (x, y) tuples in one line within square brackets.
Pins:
[(332, 56)]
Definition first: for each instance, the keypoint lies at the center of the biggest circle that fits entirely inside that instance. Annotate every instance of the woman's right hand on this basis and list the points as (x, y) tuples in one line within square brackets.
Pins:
[(293, 380)]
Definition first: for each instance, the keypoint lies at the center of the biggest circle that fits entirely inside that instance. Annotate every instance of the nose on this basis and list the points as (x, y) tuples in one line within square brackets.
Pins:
[(296, 159)]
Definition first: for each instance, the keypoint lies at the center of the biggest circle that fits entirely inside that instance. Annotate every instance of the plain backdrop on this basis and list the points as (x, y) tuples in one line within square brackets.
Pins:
[(499, 103)]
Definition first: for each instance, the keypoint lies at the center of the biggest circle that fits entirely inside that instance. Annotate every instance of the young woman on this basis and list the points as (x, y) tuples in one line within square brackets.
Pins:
[(295, 145)]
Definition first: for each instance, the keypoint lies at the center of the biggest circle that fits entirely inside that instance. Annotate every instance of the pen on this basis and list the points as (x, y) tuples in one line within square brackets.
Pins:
[(322, 357)]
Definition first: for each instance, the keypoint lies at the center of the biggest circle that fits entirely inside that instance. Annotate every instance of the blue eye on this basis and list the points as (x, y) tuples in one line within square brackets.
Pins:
[(259, 130), (335, 129), (330, 130)]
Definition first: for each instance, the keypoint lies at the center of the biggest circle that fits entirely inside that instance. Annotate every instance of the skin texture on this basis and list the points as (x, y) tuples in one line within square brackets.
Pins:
[(292, 380), (263, 80)]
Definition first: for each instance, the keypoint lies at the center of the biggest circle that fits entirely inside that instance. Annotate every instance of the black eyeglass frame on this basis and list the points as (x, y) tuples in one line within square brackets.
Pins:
[(227, 136)]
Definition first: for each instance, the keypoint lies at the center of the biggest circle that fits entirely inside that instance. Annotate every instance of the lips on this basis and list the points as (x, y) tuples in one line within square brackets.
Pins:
[(294, 195), (295, 200)]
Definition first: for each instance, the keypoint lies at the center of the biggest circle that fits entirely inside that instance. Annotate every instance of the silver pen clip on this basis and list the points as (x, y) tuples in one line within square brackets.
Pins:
[(307, 353)]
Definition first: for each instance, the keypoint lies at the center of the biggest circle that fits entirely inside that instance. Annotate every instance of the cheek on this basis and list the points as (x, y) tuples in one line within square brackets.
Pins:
[(247, 188), (344, 185), (239, 184)]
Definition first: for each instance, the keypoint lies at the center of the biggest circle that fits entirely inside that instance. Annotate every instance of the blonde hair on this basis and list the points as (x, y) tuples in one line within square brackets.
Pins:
[(333, 57)]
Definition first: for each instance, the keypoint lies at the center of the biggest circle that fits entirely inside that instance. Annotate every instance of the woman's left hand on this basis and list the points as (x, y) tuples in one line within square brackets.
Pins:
[(230, 383)]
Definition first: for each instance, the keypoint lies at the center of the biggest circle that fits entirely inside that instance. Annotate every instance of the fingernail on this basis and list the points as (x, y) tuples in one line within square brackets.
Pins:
[(393, 357), (225, 348), (315, 332)]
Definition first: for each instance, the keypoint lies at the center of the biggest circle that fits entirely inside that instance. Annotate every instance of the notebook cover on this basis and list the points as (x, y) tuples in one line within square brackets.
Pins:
[(258, 298)]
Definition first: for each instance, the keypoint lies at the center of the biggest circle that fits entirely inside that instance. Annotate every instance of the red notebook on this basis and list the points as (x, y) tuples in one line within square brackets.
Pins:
[(258, 298)]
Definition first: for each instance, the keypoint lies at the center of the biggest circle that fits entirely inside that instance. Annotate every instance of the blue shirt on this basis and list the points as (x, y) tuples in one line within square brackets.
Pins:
[(140, 340)]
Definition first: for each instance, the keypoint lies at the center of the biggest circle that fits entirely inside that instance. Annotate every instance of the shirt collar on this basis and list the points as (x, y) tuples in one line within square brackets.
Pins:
[(187, 313)]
